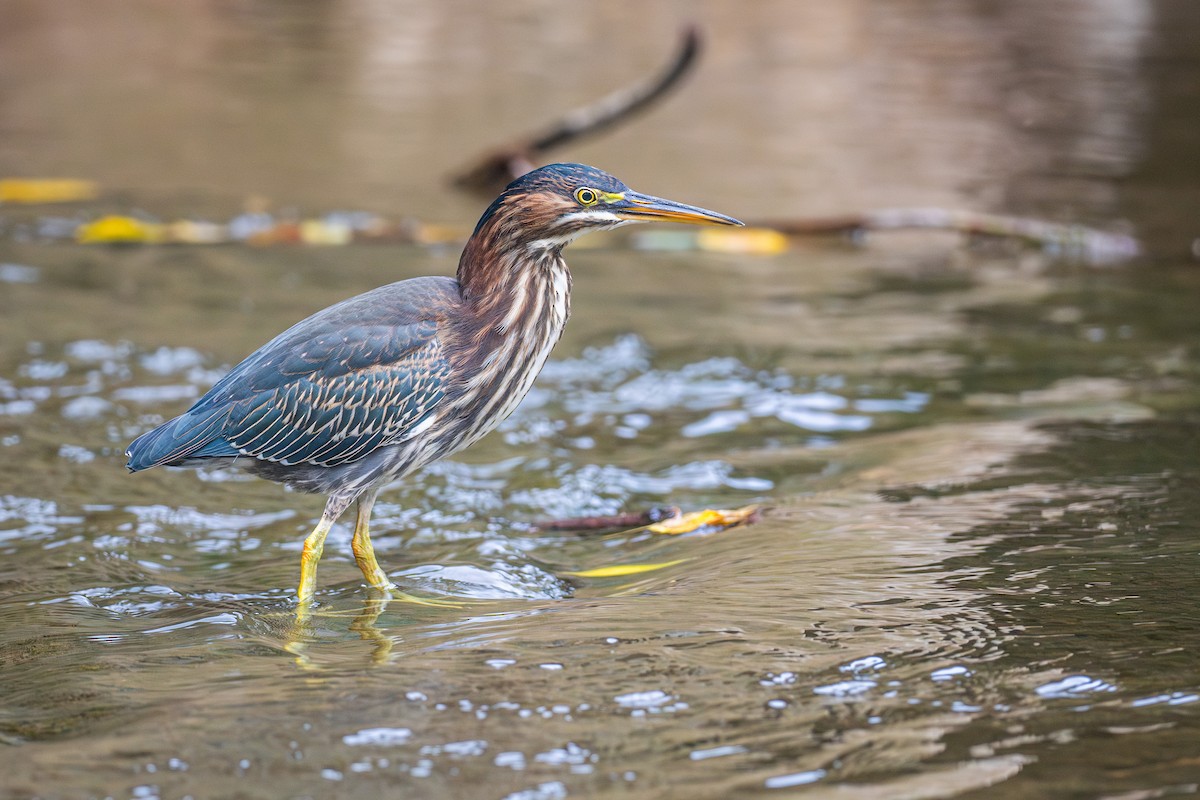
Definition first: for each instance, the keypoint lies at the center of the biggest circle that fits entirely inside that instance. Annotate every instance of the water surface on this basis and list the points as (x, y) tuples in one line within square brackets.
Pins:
[(976, 567)]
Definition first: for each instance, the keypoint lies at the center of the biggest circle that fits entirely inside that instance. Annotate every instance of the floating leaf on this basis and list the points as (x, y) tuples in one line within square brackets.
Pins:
[(708, 518), (621, 570), (187, 231), (325, 232), (743, 241), (118, 230), (46, 190), (278, 233)]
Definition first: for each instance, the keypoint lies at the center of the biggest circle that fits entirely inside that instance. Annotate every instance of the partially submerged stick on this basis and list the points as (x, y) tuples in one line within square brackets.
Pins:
[(1071, 241)]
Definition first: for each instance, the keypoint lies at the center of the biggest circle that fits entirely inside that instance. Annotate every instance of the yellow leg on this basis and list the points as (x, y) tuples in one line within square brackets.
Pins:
[(314, 545), (364, 553)]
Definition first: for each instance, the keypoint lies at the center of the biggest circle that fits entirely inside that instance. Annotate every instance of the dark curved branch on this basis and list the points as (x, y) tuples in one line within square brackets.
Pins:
[(495, 170), (623, 103)]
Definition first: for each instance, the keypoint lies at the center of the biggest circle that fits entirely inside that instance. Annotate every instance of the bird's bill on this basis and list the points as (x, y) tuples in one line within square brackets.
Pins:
[(639, 207)]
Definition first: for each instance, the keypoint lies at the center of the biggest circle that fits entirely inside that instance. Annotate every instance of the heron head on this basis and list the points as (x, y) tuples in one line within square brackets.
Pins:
[(550, 206)]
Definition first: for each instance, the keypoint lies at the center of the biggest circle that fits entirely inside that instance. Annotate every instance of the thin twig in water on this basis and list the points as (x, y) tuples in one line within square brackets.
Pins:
[(611, 522)]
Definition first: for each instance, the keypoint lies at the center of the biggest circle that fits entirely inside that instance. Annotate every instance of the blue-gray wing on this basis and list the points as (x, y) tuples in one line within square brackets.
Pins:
[(366, 373), (350, 405)]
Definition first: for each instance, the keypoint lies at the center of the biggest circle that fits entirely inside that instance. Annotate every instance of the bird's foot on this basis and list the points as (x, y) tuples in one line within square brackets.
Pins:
[(393, 592)]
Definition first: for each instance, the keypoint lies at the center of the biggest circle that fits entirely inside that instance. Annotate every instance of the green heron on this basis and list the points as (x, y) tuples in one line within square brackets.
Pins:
[(377, 386)]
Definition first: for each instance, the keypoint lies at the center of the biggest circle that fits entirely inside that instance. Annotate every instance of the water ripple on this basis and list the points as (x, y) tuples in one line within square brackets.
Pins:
[(500, 580), (615, 389)]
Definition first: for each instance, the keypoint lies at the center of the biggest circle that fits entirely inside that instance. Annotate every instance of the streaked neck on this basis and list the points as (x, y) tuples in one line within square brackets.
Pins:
[(521, 302)]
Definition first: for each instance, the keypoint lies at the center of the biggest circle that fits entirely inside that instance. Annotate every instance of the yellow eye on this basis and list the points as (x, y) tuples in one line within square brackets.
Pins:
[(586, 196)]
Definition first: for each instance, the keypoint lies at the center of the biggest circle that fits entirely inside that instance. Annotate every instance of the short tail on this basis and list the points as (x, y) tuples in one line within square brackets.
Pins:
[(191, 435)]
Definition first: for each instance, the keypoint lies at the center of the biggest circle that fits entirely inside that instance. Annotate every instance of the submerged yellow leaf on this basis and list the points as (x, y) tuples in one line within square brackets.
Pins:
[(708, 518), (46, 190), (621, 570)]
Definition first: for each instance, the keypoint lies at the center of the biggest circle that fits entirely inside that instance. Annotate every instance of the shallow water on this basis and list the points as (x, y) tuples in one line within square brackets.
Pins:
[(976, 567)]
